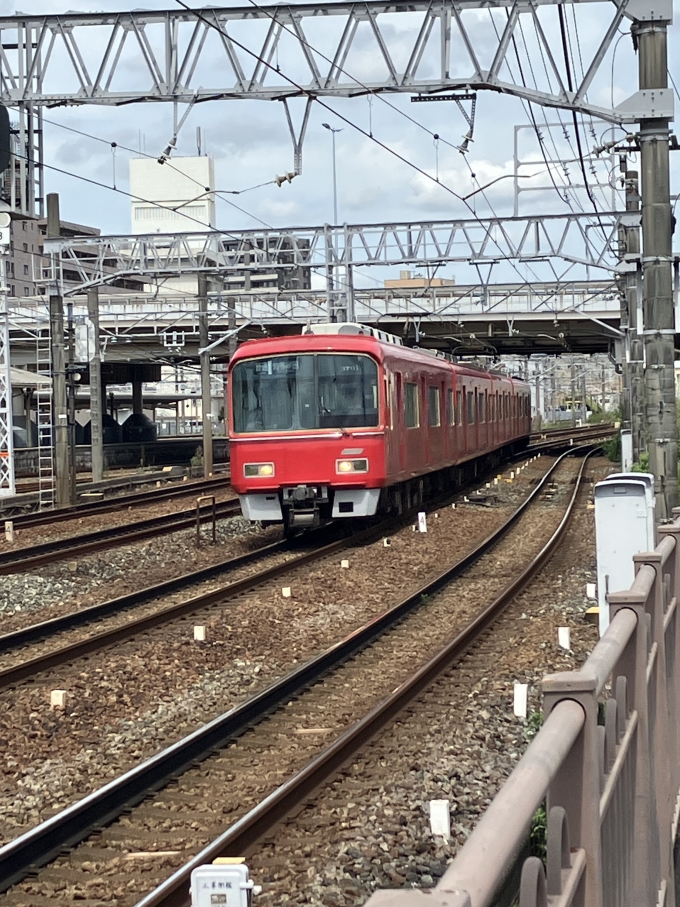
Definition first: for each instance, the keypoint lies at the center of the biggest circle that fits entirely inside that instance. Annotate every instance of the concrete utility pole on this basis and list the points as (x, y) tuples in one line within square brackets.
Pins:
[(658, 313), (96, 419), (573, 395), (60, 428), (206, 391)]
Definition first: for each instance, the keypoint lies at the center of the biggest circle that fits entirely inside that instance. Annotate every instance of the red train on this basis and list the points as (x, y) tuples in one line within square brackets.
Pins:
[(344, 421)]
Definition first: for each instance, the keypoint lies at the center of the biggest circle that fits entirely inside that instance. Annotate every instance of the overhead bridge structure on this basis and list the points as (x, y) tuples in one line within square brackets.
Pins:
[(465, 320)]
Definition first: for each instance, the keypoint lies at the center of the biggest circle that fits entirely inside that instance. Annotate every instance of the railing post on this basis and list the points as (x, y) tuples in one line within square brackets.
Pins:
[(577, 786), (659, 731), (672, 640)]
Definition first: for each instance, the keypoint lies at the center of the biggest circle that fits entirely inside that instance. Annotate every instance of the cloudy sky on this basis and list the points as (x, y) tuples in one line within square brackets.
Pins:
[(250, 141)]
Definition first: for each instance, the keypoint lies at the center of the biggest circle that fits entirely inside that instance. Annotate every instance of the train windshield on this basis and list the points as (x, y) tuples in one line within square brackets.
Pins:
[(309, 391)]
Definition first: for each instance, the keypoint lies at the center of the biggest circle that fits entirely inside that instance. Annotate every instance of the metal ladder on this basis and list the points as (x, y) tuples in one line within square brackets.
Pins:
[(44, 421)]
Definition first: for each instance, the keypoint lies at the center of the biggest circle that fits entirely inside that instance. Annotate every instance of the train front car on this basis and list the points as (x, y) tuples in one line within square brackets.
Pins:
[(306, 430)]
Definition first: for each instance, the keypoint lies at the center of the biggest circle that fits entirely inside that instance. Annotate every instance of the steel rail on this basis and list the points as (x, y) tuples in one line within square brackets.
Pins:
[(240, 838), (74, 546), (42, 844), (112, 505), (28, 669), (43, 630), (559, 442)]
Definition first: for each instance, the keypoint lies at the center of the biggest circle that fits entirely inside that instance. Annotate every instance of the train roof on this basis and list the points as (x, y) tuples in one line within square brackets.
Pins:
[(379, 344)]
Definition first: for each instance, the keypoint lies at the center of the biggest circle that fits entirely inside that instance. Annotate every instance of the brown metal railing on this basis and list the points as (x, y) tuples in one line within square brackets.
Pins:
[(612, 789)]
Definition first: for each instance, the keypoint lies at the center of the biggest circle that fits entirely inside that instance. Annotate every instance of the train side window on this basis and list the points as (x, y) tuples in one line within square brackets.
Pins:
[(450, 413), (433, 407), (459, 407), (481, 415), (471, 408), (412, 416)]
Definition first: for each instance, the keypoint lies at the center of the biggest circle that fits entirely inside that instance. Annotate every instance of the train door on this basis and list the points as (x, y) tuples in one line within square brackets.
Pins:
[(425, 421), (400, 421), (450, 422)]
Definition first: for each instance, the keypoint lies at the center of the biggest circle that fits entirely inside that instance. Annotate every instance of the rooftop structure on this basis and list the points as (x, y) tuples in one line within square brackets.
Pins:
[(175, 197)]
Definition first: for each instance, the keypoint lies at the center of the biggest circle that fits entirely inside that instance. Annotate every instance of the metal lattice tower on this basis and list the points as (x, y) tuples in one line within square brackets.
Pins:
[(44, 419)]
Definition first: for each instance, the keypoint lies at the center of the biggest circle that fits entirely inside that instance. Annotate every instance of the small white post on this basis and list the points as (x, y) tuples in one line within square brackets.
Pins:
[(199, 634), (422, 522), (563, 637), (9, 531), (520, 699), (58, 699), (440, 818)]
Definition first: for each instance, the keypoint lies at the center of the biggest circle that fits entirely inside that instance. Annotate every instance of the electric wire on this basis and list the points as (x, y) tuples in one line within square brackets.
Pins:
[(528, 109), (304, 91), (192, 179), (577, 132)]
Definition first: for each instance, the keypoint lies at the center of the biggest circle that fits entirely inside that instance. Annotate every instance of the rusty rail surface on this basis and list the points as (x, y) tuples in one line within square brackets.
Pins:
[(75, 546), (612, 789), (40, 845)]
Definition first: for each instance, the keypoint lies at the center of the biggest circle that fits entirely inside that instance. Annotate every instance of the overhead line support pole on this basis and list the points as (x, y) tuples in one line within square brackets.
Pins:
[(59, 408), (657, 273), (96, 402), (206, 391), (633, 355)]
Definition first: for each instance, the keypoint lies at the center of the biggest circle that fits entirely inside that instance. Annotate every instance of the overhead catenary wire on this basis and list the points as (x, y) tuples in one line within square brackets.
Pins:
[(565, 50), (410, 163), (308, 93)]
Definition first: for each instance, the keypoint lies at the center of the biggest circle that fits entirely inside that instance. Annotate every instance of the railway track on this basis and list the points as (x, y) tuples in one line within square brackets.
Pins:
[(49, 840), (30, 651), (158, 613), (559, 438), (73, 547), (124, 502)]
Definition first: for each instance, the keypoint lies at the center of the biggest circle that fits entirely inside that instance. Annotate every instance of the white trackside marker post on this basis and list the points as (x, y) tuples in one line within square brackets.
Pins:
[(199, 634), (9, 531), (286, 592), (563, 637), (520, 699), (58, 699), (422, 522), (440, 818), (591, 591), (344, 565), (386, 543)]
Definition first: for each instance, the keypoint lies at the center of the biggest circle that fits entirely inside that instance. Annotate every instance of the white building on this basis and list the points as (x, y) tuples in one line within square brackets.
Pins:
[(175, 197)]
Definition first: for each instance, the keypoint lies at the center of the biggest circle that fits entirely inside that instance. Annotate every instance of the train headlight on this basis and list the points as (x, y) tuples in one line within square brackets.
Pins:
[(254, 470), (347, 466)]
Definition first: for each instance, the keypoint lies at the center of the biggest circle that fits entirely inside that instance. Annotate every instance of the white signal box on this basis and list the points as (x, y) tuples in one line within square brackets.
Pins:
[(624, 526), (223, 884)]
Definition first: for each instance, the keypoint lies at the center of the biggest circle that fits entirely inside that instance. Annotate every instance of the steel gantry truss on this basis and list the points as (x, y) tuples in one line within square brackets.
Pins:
[(232, 52), (97, 260)]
